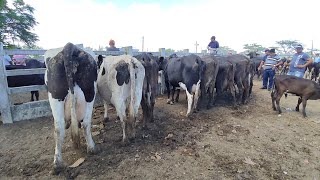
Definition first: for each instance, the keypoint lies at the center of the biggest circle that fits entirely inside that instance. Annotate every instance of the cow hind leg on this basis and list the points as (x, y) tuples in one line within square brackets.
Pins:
[(273, 95), (277, 99), (299, 102), (304, 104), (59, 132), (177, 97), (123, 119), (87, 127)]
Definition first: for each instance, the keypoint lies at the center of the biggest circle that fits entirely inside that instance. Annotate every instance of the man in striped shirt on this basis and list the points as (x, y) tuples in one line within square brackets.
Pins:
[(269, 64)]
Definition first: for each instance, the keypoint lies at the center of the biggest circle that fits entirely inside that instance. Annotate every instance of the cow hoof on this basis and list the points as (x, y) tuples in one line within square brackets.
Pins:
[(124, 142), (275, 109), (93, 150), (168, 101), (57, 169)]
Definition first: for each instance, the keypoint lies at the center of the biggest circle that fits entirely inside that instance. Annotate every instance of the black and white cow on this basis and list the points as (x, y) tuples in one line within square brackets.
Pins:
[(185, 72), (71, 77), (120, 82)]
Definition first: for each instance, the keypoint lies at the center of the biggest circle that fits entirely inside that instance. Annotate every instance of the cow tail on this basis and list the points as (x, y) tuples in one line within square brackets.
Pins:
[(70, 70), (133, 75)]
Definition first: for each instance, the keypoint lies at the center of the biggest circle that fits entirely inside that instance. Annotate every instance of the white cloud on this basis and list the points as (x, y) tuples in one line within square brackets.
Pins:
[(233, 22)]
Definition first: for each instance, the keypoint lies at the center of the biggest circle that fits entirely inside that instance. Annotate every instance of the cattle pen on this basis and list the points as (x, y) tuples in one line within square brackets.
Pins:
[(36, 109)]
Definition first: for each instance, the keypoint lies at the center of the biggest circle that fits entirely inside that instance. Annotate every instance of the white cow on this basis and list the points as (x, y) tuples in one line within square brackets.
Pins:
[(71, 77), (120, 82)]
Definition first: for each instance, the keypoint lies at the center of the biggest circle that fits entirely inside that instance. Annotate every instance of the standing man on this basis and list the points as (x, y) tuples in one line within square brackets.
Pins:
[(299, 62), (272, 61), (112, 46), (213, 45)]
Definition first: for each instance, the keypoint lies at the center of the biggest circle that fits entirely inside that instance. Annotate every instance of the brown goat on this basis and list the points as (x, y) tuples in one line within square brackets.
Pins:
[(304, 88)]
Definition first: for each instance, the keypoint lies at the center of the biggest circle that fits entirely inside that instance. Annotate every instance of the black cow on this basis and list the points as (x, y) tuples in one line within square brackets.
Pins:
[(242, 76), (150, 84), (27, 80), (253, 56), (225, 78), (209, 81), (185, 72)]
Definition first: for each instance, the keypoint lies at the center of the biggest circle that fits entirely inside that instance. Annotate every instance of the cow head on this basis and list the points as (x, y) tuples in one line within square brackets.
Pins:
[(162, 62), (252, 54)]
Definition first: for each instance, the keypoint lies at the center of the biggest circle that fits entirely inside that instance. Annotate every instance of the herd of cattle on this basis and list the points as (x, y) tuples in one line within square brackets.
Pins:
[(74, 76)]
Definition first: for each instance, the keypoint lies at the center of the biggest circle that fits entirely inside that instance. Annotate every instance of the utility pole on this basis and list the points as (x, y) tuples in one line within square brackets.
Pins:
[(142, 43), (196, 46)]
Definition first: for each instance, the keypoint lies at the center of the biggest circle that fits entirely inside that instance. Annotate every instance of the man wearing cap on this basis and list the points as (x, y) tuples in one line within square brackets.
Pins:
[(272, 61), (299, 62), (213, 45)]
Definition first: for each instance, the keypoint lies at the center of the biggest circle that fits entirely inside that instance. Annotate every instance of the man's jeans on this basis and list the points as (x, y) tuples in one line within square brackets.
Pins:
[(268, 74), (296, 73)]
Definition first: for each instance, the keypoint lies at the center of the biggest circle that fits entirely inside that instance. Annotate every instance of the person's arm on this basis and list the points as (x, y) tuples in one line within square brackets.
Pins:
[(208, 47), (261, 64), (309, 62)]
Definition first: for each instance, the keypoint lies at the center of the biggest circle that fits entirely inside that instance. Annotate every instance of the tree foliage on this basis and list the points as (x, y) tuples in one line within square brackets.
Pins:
[(253, 47), (169, 50), (17, 23), (287, 46), (225, 50)]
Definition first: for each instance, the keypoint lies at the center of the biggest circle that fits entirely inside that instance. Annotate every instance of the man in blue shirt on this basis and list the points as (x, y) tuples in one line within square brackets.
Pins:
[(213, 45), (269, 64), (299, 62)]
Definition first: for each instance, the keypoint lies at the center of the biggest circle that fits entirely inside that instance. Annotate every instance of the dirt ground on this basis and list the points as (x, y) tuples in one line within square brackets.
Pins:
[(249, 142)]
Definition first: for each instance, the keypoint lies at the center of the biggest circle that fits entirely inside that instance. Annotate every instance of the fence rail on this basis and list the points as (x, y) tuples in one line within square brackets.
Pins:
[(11, 113)]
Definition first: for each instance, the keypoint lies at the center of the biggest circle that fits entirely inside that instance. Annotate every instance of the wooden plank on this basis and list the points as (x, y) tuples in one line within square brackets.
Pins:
[(22, 89), (24, 52), (17, 72), (4, 97), (31, 110)]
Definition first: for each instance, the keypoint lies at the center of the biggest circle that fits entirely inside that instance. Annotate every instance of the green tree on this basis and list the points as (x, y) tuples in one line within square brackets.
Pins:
[(225, 50), (253, 47), (169, 50), (17, 23), (287, 46)]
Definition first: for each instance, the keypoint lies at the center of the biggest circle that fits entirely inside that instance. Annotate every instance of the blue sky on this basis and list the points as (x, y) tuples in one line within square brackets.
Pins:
[(175, 24)]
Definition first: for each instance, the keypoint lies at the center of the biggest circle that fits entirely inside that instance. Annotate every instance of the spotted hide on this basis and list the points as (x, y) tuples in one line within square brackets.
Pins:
[(71, 77), (120, 82)]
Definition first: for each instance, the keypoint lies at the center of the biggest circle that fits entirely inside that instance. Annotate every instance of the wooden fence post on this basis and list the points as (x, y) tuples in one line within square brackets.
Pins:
[(5, 104)]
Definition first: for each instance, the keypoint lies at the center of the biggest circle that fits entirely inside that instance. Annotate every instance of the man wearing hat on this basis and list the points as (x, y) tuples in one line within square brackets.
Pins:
[(272, 61), (213, 45), (299, 62)]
